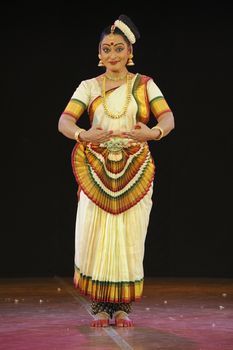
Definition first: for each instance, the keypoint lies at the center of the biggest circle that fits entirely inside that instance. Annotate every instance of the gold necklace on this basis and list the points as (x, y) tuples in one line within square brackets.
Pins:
[(127, 100), (122, 77)]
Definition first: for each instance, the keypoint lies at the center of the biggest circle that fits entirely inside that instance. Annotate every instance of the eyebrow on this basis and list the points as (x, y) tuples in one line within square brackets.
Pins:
[(114, 44)]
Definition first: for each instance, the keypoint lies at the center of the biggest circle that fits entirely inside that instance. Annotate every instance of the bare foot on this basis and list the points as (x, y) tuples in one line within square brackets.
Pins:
[(122, 319), (101, 320)]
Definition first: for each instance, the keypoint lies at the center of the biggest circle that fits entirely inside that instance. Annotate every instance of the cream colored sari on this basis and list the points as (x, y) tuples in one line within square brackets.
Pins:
[(115, 187)]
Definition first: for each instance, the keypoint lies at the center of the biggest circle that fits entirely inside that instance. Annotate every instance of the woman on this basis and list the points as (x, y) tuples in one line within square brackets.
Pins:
[(115, 171)]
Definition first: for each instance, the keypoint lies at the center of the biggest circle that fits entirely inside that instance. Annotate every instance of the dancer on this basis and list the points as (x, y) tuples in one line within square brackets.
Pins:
[(115, 171)]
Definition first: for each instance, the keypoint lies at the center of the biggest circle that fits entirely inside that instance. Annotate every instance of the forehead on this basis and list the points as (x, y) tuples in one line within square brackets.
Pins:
[(113, 39)]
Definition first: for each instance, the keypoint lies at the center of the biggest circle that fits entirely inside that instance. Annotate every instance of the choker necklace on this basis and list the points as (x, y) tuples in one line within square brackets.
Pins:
[(121, 77)]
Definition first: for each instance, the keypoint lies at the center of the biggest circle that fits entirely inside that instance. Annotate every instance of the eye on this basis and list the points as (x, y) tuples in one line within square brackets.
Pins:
[(106, 49), (119, 49)]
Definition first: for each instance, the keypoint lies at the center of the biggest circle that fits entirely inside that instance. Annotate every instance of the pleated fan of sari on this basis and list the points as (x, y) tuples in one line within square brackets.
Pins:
[(114, 181)]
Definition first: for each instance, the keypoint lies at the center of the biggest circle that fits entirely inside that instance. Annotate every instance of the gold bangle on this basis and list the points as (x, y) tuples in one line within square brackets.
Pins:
[(76, 134), (161, 132)]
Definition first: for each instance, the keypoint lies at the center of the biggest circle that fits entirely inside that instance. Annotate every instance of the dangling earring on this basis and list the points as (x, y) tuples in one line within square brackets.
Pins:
[(100, 64), (130, 61)]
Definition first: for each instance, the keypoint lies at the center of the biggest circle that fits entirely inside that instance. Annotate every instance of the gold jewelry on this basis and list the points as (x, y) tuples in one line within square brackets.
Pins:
[(130, 61), (161, 132), (76, 134), (112, 31), (100, 64), (127, 100), (122, 77)]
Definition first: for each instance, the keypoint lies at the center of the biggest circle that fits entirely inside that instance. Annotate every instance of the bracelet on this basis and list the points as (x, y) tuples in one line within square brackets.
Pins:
[(76, 134), (161, 132)]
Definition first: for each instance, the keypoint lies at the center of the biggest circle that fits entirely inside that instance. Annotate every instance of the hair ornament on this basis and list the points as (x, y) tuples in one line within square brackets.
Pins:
[(112, 31), (113, 28), (126, 30)]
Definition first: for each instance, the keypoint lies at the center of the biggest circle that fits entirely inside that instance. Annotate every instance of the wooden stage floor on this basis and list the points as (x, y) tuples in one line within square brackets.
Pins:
[(174, 314)]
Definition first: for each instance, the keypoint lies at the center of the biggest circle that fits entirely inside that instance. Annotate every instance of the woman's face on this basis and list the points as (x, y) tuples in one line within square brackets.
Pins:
[(114, 52)]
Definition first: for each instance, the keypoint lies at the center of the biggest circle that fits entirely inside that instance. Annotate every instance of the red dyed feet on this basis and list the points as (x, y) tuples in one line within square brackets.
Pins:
[(100, 323), (102, 320), (122, 319)]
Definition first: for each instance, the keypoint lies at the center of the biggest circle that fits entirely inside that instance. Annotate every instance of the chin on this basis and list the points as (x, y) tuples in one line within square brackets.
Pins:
[(114, 69)]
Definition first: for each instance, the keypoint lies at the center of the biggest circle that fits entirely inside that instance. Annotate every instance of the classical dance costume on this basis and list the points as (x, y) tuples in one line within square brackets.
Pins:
[(115, 184)]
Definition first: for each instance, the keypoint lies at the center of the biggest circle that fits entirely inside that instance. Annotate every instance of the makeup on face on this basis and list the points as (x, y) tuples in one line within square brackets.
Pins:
[(114, 52)]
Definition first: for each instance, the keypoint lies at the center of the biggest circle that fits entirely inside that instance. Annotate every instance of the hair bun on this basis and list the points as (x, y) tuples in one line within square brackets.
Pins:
[(130, 24)]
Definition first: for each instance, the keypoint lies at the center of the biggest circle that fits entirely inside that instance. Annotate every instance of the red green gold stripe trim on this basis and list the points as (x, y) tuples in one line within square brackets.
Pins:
[(75, 108), (114, 168), (139, 92), (112, 194), (159, 106), (94, 105), (107, 291)]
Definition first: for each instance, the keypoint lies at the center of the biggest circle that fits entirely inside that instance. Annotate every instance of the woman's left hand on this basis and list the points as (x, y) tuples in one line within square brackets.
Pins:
[(140, 133)]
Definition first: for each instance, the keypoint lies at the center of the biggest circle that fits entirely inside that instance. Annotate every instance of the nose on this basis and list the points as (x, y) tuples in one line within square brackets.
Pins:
[(113, 55)]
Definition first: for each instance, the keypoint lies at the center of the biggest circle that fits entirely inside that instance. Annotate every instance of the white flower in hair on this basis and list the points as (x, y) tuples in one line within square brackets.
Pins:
[(126, 30)]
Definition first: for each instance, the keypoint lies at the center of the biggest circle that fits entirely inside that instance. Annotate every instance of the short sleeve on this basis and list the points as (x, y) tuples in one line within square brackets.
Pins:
[(156, 99), (79, 101), (153, 90)]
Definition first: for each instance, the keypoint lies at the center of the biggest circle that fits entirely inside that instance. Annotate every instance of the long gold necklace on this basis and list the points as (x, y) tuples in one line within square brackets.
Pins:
[(127, 99)]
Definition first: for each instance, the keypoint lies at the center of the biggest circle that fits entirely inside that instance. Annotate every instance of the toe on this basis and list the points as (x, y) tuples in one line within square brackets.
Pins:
[(99, 323)]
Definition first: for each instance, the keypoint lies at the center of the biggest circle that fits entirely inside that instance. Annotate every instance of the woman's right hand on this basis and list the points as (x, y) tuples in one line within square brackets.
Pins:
[(95, 135)]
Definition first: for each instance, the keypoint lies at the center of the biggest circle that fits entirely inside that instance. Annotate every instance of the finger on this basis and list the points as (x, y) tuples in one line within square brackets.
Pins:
[(128, 135), (137, 126), (102, 133), (116, 133)]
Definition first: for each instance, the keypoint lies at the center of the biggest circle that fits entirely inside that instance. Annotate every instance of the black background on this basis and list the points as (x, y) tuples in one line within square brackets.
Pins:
[(47, 49)]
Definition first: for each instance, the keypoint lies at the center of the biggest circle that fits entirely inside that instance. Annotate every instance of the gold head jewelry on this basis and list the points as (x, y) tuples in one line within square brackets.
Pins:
[(107, 111), (112, 31), (113, 28)]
